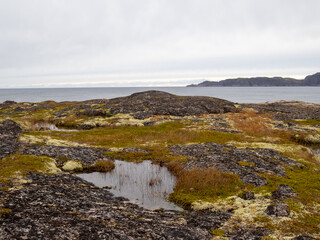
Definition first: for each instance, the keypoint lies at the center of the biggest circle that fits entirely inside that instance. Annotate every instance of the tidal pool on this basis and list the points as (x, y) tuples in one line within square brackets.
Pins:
[(145, 184)]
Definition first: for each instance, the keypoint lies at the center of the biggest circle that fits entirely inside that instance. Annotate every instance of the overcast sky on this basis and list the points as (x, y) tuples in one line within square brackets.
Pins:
[(57, 43)]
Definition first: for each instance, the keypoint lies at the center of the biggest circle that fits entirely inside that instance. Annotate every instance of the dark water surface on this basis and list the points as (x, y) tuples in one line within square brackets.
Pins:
[(145, 184), (234, 94)]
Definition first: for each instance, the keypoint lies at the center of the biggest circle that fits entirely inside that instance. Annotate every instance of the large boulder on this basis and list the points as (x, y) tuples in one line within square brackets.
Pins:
[(279, 209), (283, 192)]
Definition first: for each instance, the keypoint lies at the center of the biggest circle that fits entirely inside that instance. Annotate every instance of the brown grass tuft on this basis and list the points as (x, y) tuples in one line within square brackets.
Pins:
[(104, 166), (204, 184)]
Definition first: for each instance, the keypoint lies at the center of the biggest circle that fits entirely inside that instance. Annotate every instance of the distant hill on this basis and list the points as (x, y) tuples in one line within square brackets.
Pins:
[(311, 80)]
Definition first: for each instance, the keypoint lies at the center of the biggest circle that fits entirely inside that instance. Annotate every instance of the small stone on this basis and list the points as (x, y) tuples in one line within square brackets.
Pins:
[(279, 209), (283, 192), (248, 196)]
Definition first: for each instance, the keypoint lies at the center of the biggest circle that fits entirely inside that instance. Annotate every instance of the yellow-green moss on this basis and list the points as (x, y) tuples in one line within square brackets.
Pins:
[(165, 134), (19, 165), (217, 232), (156, 154), (307, 122), (246, 164)]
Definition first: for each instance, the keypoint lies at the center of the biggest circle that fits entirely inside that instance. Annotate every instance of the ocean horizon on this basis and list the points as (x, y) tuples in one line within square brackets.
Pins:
[(234, 94)]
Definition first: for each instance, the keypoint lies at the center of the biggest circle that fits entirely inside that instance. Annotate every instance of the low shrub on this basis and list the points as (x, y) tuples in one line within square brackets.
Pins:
[(104, 166)]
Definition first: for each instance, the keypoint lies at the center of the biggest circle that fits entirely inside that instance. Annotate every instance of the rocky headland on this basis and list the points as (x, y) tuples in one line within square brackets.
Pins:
[(244, 171), (311, 80)]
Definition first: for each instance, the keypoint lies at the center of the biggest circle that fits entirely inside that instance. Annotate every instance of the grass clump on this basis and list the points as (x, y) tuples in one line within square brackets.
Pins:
[(103, 166), (217, 232), (204, 184), (246, 164), (156, 155), (308, 223), (308, 122), (4, 211), (262, 219)]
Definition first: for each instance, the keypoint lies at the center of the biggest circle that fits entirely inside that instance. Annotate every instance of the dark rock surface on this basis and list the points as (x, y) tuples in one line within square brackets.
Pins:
[(94, 112), (7, 104), (9, 133), (303, 237), (67, 207), (145, 104), (248, 195), (285, 110), (283, 192), (87, 156), (279, 209), (226, 158), (249, 234)]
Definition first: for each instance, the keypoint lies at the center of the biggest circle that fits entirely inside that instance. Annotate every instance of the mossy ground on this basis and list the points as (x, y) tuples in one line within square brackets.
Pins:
[(18, 165), (211, 186)]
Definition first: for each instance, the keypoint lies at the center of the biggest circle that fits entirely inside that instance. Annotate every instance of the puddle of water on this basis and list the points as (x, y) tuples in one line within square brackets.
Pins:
[(145, 184), (52, 127)]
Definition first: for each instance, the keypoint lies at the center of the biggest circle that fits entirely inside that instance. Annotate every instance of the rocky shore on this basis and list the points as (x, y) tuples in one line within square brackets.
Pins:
[(267, 149)]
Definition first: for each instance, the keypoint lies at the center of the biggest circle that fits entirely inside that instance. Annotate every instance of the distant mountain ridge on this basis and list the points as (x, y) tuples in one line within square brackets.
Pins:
[(311, 80)]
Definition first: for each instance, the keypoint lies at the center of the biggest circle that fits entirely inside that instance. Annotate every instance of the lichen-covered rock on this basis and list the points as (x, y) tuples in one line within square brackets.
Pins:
[(226, 158), (303, 237), (287, 110), (87, 156), (208, 219), (145, 104), (9, 133), (248, 195), (67, 207), (283, 192), (94, 113), (249, 234), (279, 209)]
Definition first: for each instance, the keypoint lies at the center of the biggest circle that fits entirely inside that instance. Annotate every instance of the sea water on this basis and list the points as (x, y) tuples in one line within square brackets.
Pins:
[(234, 94)]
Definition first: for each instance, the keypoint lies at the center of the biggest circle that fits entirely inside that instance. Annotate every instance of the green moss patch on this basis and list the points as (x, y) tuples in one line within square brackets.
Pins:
[(165, 134), (17, 164), (308, 122), (155, 154), (204, 184)]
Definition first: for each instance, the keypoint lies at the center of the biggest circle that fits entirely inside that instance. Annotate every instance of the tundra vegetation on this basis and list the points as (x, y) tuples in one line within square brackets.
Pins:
[(116, 132)]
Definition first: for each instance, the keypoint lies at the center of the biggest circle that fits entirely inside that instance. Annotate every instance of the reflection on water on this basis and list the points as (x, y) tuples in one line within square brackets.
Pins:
[(145, 184)]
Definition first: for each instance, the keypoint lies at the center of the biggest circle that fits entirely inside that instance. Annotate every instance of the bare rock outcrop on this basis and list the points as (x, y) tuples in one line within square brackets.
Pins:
[(9, 133), (145, 104), (243, 162)]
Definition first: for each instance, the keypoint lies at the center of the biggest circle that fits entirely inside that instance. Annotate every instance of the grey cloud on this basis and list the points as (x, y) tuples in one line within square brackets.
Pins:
[(56, 37)]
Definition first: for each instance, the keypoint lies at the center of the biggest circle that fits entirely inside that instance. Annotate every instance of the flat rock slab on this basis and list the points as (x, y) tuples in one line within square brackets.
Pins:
[(67, 207), (243, 162), (287, 110), (85, 155)]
